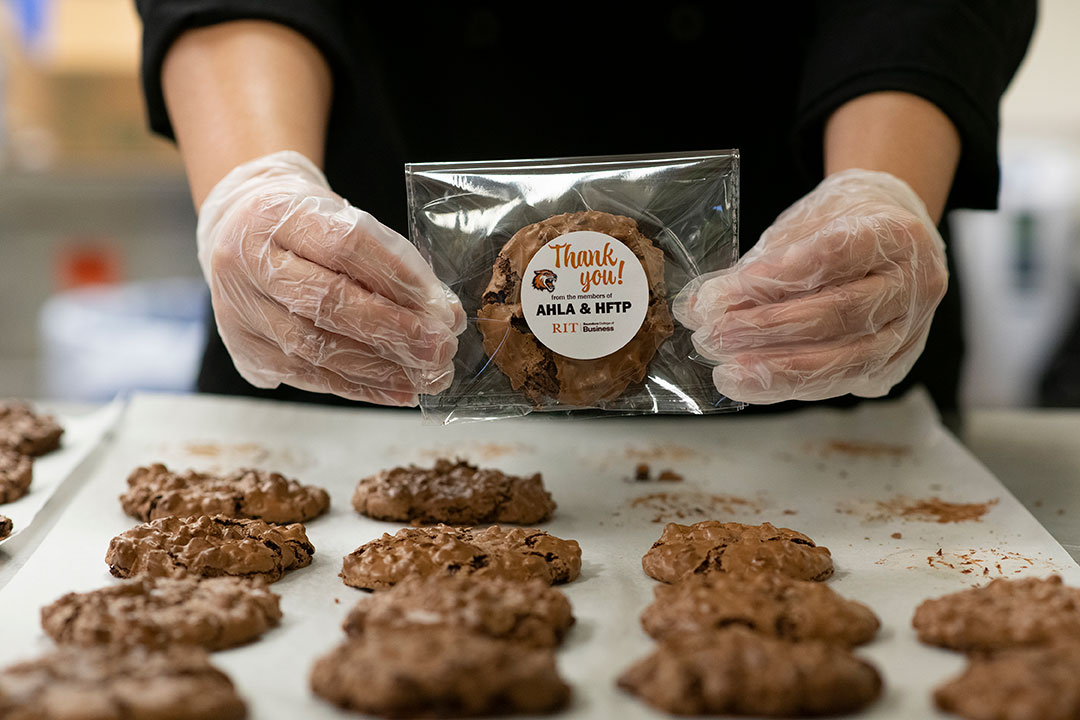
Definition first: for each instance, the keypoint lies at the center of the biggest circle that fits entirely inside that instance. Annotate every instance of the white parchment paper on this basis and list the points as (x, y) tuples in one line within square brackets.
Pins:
[(784, 469), (82, 434)]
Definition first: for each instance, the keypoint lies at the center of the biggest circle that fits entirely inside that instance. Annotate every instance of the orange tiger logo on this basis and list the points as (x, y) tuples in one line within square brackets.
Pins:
[(544, 280)]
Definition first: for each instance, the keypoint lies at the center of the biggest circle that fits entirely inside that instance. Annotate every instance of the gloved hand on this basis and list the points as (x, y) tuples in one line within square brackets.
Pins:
[(312, 292), (836, 297)]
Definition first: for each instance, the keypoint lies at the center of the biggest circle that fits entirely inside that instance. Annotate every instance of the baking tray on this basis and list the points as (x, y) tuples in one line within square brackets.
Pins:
[(836, 475), (84, 431)]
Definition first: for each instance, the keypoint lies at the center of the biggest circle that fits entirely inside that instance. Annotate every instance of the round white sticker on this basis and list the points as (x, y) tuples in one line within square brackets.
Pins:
[(584, 295)]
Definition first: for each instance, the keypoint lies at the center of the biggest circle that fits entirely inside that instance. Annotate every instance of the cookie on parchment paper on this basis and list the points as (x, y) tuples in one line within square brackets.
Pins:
[(711, 546), (119, 683), (530, 612), (209, 546), (511, 553), (453, 492), (767, 603), (214, 613), (1004, 613), (16, 474), (1018, 684), (438, 672), (155, 492), (6, 526), (545, 376), (27, 432), (739, 672)]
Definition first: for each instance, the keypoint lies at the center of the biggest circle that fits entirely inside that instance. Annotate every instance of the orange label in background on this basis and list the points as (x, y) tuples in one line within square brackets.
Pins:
[(80, 263)]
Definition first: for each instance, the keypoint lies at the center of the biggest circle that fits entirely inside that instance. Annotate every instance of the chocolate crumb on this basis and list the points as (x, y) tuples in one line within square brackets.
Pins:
[(669, 476), (989, 561), (896, 536)]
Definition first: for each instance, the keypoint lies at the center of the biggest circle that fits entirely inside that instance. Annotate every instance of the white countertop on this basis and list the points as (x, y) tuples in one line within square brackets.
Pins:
[(763, 467)]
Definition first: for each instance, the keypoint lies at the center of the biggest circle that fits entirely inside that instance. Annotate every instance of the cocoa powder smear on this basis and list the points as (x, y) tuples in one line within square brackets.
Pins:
[(670, 506), (931, 509), (937, 510), (866, 449), (662, 452)]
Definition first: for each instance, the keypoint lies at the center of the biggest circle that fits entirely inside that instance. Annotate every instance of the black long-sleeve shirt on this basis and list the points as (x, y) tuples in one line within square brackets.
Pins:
[(415, 82)]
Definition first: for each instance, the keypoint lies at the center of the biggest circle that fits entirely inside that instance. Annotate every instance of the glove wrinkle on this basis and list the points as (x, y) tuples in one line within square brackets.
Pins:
[(836, 297), (309, 291)]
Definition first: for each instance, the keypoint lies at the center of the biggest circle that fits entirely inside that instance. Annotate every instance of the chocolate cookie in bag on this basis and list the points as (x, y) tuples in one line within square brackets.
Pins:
[(565, 268), (576, 308)]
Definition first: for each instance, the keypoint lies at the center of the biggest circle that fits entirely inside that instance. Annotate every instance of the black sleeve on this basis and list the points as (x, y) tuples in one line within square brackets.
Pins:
[(164, 20), (958, 54)]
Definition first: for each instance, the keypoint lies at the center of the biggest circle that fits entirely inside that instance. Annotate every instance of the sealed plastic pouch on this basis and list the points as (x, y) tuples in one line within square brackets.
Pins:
[(566, 269)]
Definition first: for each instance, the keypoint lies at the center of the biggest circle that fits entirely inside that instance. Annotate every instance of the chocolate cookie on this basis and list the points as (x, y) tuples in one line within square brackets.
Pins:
[(26, 432), (16, 473), (6, 526), (209, 546), (711, 546), (439, 671), (156, 492), (511, 553), (541, 374), (767, 603), (119, 683), (1019, 684), (528, 612), (1002, 614), (453, 492), (215, 613), (740, 672)]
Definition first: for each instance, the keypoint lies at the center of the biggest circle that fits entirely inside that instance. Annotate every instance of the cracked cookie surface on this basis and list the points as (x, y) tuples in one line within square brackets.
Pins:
[(737, 671), (214, 613), (1002, 614), (117, 683), (712, 546), (767, 603), (511, 553), (1017, 684), (453, 492), (27, 432), (16, 474), (155, 492), (209, 546), (529, 612), (438, 672)]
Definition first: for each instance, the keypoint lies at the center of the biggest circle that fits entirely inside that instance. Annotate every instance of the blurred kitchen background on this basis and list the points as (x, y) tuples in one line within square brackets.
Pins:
[(100, 291)]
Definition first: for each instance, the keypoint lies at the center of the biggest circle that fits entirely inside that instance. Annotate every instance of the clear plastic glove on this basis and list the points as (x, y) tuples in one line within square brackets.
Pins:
[(312, 292), (836, 297)]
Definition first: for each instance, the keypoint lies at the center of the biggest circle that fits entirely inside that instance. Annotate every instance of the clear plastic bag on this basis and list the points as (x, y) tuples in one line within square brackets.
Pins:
[(478, 222)]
